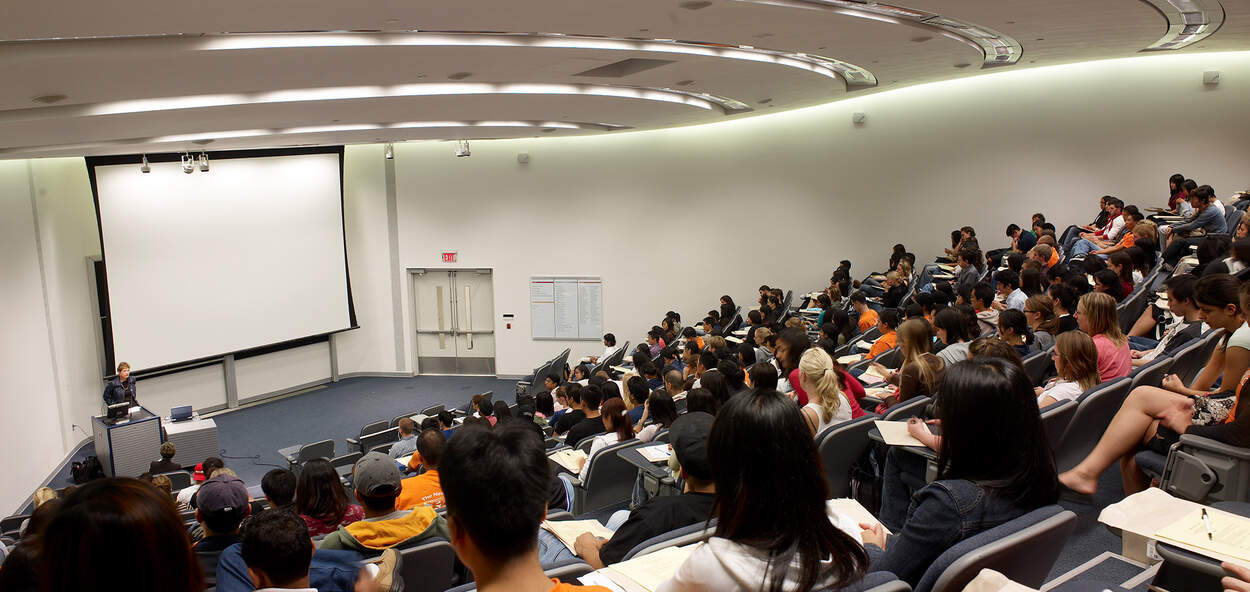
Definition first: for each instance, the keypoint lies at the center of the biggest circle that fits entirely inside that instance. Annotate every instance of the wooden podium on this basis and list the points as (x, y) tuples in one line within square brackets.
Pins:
[(127, 446)]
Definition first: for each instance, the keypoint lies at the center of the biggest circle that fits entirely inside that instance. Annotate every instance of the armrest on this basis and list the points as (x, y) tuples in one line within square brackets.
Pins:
[(1215, 446), (575, 482), (352, 441)]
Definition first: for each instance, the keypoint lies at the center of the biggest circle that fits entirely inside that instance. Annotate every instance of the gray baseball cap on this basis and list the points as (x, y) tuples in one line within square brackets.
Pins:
[(222, 493), (689, 434), (377, 474)]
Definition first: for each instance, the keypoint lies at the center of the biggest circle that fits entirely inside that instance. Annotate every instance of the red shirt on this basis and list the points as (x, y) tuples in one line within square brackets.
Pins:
[(854, 390)]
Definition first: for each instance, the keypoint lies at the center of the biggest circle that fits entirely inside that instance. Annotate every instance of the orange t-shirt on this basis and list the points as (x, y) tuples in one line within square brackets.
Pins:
[(867, 320), (1054, 259), (885, 344), (422, 490), (1128, 240)]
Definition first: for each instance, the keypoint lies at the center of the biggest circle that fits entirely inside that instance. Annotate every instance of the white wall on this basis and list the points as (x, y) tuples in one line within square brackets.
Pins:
[(29, 398), (674, 218), (671, 219)]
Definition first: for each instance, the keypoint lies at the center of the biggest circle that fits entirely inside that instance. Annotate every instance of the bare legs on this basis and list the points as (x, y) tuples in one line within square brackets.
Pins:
[(1132, 425)]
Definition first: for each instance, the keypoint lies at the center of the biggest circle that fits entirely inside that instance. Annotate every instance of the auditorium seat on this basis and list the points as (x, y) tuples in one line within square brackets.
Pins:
[(686, 535), (369, 428), (427, 567), (1023, 549), (301, 453), (840, 446), (1094, 411)]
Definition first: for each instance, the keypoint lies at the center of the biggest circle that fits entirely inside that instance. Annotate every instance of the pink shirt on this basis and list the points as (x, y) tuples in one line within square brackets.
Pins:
[(1113, 362)]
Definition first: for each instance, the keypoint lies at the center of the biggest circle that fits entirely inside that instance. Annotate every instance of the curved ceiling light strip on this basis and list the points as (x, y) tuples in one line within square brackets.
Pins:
[(855, 77), (1189, 21), (203, 138), (998, 48), (707, 101)]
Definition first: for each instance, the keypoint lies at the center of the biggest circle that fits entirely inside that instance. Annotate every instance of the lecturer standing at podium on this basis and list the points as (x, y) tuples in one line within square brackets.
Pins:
[(122, 388)]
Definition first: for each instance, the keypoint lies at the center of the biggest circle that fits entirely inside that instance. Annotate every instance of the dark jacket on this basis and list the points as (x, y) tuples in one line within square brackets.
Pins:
[(941, 514), (115, 391)]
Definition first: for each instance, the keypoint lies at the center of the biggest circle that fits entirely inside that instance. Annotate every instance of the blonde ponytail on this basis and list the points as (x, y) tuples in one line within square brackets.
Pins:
[(817, 366)]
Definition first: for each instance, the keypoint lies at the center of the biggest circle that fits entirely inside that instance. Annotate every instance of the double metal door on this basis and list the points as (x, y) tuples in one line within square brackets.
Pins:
[(455, 321)]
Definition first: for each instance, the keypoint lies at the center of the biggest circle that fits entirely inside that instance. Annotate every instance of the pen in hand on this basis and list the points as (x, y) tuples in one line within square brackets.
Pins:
[(1206, 520)]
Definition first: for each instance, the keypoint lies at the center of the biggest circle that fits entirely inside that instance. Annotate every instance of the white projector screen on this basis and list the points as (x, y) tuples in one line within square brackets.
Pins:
[(248, 254)]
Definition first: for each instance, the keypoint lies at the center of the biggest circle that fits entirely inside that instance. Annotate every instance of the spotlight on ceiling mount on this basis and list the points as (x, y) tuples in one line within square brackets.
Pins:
[(144, 167), (462, 148), (188, 163), (390, 151), (203, 161)]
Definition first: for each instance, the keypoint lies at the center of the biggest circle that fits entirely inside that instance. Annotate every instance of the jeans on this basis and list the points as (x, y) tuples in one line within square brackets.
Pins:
[(1082, 248), (1142, 343), (331, 570), (552, 552), (903, 476)]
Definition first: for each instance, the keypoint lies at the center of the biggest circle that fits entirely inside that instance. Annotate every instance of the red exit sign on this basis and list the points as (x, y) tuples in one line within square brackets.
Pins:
[(449, 256)]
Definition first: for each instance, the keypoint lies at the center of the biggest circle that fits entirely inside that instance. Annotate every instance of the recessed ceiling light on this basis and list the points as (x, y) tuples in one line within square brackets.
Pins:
[(999, 49), (459, 75), (765, 101), (1189, 21), (203, 141), (921, 39), (49, 99), (695, 4), (684, 82), (962, 65)]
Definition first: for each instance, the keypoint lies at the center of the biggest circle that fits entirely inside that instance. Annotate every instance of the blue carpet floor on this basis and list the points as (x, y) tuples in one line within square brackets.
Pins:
[(250, 437)]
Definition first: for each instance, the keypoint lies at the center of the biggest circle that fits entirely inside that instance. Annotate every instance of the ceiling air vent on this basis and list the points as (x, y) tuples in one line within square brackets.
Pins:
[(624, 68)]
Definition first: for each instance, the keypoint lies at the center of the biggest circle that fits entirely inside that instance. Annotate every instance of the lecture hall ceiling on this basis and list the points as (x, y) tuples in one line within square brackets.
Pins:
[(146, 76)]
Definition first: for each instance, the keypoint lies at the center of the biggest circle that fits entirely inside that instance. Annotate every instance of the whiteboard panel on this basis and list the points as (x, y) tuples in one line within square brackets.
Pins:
[(270, 373), (199, 388), (566, 308)]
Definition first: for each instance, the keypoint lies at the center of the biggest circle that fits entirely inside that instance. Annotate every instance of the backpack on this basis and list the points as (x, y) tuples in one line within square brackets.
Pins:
[(86, 470)]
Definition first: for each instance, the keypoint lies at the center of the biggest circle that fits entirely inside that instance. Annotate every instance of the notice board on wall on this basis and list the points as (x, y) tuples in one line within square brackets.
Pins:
[(566, 308)]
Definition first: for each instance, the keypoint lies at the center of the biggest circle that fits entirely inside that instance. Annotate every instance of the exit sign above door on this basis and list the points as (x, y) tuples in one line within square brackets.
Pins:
[(449, 256)]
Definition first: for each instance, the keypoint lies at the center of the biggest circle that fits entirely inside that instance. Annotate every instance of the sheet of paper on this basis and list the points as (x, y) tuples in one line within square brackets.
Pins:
[(403, 460), (655, 453), (895, 433), (948, 267), (864, 345), (943, 276), (1230, 533), (732, 339), (851, 359), (741, 332), (647, 572), (879, 391), (621, 369), (871, 375), (569, 458), (568, 530), (595, 578), (1146, 513), (854, 510)]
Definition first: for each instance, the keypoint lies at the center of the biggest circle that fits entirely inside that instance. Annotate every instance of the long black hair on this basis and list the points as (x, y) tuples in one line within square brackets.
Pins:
[(772, 497), (992, 432)]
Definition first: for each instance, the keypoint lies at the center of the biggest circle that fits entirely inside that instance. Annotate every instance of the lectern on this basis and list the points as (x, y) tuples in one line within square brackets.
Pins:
[(127, 446)]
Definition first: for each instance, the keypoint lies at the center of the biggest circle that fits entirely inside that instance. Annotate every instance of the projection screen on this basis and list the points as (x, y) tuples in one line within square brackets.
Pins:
[(248, 254)]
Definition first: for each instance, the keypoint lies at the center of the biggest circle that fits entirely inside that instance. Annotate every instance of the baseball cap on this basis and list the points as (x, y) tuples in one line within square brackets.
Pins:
[(198, 475), (222, 493), (376, 474), (688, 434)]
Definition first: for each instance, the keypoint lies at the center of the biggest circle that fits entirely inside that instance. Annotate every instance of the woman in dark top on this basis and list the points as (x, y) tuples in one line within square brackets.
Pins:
[(1121, 263), (920, 374), (321, 500), (993, 466), (1176, 190), (121, 388), (1013, 328)]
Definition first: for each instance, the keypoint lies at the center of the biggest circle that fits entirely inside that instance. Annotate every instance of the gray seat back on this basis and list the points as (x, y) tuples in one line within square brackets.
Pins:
[(1023, 549), (1151, 374), (906, 409), (433, 410), (840, 446), (1129, 310), (1036, 365), (609, 480), (876, 581), (1094, 411), (427, 567), (1187, 362), (373, 427), (686, 535), (1055, 419), (323, 449), (370, 441)]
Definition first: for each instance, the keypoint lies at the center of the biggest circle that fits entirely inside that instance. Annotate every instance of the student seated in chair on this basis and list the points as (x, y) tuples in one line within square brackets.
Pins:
[(993, 466), (378, 483), (657, 515), (496, 498), (982, 301), (592, 422), (887, 322), (166, 464), (424, 489), (867, 316), (407, 443), (222, 506)]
